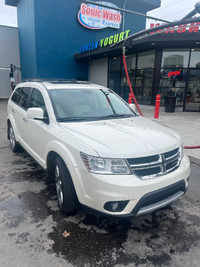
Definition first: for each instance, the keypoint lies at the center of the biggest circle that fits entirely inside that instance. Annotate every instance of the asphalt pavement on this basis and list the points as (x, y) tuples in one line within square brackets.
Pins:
[(34, 232)]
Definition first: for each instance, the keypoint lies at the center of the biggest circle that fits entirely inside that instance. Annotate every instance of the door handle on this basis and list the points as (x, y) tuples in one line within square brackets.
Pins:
[(13, 110), (25, 119)]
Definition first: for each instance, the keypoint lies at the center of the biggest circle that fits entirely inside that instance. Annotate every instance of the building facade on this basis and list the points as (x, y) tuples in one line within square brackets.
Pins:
[(52, 31), (165, 62), (9, 54), (75, 40)]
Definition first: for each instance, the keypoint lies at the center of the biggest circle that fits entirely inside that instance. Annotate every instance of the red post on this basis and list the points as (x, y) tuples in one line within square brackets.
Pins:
[(157, 107), (130, 98)]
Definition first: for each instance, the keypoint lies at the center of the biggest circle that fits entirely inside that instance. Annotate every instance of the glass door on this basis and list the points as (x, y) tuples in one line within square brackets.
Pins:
[(172, 83), (192, 102)]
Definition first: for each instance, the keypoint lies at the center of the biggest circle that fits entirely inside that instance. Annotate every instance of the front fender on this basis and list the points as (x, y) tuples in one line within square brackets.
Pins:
[(62, 151), (72, 162)]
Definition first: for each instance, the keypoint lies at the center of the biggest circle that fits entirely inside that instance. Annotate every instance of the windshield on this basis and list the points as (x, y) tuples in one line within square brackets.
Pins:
[(88, 104)]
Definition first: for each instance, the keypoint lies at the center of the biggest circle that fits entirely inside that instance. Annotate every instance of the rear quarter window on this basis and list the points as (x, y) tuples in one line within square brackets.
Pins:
[(15, 96)]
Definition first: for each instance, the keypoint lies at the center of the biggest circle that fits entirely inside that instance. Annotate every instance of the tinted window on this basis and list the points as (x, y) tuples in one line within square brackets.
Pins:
[(195, 58), (173, 58), (114, 64), (37, 101), (146, 60), (23, 97), (15, 96)]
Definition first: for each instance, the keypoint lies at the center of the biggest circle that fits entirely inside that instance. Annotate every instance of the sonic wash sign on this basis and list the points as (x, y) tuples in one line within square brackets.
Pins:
[(97, 17)]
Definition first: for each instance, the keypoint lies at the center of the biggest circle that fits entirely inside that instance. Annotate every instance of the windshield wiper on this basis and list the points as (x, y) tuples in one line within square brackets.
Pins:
[(115, 116), (111, 116), (75, 119)]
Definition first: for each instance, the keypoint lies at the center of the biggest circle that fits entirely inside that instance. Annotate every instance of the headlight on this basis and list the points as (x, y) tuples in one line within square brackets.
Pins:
[(104, 165)]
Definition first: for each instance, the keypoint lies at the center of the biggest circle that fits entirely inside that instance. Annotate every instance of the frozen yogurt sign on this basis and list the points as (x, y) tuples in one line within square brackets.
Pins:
[(97, 17)]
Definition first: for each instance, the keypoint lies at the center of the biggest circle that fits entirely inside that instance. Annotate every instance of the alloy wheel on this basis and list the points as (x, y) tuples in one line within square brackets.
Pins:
[(59, 189), (12, 138)]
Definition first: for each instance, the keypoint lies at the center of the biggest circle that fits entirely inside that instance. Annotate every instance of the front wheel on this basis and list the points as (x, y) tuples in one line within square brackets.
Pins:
[(65, 190)]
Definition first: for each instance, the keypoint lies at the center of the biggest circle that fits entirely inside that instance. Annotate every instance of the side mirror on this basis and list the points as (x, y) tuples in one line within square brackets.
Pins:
[(37, 114), (133, 107)]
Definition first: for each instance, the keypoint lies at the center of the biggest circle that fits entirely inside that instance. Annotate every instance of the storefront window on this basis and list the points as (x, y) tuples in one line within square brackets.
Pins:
[(193, 91), (114, 75), (175, 58), (146, 60), (131, 66), (132, 75), (114, 64), (130, 62), (178, 92), (172, 82), (114, 78), (173, 78), (143, 86), (195, 58)]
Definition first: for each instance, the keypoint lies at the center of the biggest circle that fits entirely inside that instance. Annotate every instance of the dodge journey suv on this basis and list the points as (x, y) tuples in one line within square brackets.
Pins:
[(99, 152)]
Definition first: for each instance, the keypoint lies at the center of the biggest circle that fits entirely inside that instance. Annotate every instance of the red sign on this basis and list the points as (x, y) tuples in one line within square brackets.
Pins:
[(96, 17), (191, 27), (173, 73)]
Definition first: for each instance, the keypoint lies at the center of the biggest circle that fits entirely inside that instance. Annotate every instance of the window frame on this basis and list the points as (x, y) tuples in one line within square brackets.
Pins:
[(28, 102), (18, 98)]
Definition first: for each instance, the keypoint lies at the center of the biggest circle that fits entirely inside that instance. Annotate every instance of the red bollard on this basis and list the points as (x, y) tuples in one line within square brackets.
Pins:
[(157, 107), (130, 98)]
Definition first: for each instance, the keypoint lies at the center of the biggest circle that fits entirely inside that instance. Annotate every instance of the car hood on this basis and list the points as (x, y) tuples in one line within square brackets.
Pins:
[(124, 138)]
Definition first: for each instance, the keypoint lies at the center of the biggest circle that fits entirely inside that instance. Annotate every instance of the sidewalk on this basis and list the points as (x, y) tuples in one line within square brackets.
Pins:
[(186, 123)]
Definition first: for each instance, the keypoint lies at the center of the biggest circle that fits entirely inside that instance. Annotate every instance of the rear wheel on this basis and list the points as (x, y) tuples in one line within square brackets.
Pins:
[(15, 146), (65, 190)]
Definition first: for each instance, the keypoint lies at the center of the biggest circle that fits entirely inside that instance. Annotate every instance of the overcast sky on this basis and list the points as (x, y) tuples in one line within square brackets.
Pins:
[(8, 14), (170, 10)]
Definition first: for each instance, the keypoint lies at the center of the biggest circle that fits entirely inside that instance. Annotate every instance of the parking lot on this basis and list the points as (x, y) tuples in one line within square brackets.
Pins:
[(34, 232)]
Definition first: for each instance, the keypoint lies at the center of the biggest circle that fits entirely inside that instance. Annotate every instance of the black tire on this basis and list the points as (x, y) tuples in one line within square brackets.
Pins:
[(15, 146), (65, 190)]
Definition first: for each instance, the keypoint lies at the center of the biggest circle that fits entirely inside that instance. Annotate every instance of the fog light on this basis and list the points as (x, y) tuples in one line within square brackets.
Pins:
[(116, 206)]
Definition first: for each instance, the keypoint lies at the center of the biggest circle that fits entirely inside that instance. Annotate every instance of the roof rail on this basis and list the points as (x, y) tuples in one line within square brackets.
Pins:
[(54, 80), (32, 80)]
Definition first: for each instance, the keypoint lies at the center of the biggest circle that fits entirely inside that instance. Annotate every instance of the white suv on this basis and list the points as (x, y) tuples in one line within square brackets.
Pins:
[(96, 148)]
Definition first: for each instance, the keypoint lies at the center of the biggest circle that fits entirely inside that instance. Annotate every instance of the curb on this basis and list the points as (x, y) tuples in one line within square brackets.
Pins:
[(194, 160)]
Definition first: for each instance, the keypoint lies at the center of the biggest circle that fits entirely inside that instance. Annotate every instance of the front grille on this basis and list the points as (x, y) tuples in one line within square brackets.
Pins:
[(156, 165)]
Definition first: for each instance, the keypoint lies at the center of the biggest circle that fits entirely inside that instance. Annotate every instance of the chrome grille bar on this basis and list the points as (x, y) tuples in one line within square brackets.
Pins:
[(166, 163)]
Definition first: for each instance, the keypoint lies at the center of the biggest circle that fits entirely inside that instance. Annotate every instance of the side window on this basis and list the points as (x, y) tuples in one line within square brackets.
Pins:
[(37, 101), (15, 96), (23, 97)]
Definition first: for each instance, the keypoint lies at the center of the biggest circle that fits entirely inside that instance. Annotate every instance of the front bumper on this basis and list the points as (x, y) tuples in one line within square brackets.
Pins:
[(142, 196), (159, 198)]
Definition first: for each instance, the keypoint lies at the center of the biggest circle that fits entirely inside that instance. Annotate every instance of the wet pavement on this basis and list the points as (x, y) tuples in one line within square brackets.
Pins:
[(32, 226)]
